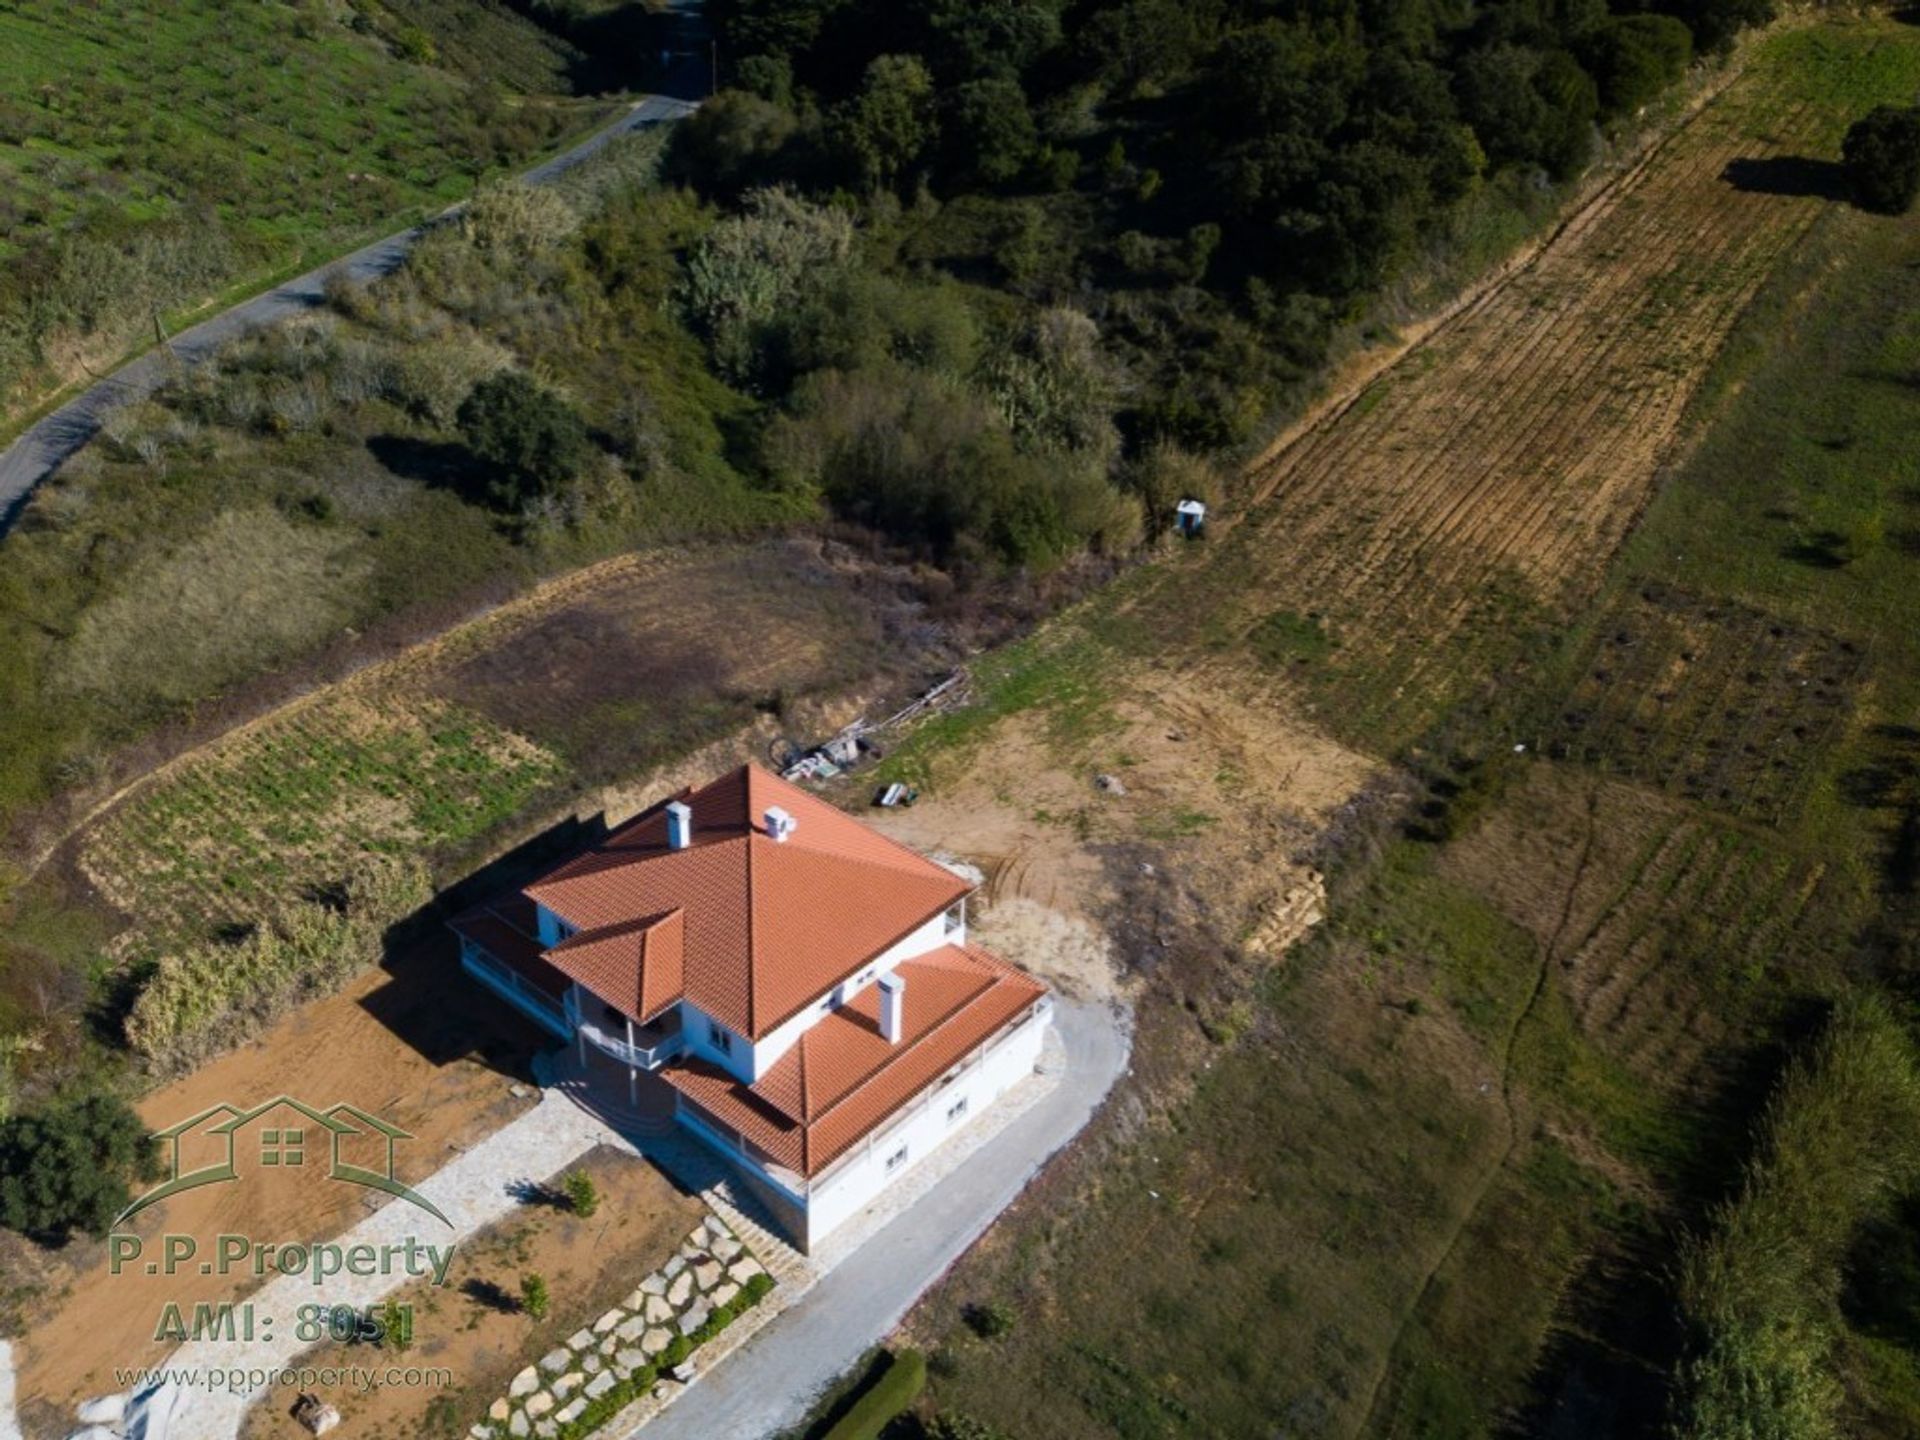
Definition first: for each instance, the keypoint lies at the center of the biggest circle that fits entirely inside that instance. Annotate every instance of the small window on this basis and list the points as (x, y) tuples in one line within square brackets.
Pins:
[(897, 1159), (957, 1110), (957, 917), (720, 1037)]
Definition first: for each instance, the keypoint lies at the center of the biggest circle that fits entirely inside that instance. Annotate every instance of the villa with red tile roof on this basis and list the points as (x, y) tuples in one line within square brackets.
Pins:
[(796, 989)]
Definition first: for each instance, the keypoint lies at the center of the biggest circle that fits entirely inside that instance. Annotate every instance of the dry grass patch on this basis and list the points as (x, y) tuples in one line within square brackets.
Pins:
[(251, 589)]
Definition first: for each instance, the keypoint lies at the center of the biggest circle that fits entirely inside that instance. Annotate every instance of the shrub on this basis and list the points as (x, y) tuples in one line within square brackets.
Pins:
[(69, 1166), (208, 997), (1882, 158), (583, 1196), (534, 1298), (1760, 1291), (885, 1400), (990, 1320), (516, 222), (746, 270), (533, 440)]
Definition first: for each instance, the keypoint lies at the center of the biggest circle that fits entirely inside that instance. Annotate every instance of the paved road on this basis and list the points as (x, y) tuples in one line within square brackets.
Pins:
[(39, 451), (768, 1384)]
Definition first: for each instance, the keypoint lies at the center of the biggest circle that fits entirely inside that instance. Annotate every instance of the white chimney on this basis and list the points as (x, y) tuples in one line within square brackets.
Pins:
[(679, 825), (893, 1005), (779, 823)]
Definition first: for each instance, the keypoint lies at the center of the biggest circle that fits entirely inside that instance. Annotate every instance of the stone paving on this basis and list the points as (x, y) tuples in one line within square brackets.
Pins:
[(711, 1267)]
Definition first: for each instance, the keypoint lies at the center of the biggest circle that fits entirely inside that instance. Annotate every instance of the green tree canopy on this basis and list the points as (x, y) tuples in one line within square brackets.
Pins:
[(1882, 156), (531, 438), (884, 128), (69, 1166)]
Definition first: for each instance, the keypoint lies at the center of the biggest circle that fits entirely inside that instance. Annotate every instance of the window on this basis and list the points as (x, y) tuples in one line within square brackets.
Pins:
[(282, 1147), (897, 1159), (957, 1110), (957, 917), (720, 1037)]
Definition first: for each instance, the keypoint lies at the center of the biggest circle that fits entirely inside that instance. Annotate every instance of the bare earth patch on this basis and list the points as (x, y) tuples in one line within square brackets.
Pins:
[(421, 1047)]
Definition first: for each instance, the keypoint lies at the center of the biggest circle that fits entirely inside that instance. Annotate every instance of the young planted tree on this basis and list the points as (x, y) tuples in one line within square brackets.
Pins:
[(534, 1298), (583, 1196)]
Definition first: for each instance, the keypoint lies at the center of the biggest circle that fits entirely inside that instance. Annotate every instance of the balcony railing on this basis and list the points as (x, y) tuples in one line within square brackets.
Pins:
[(650, 1048)]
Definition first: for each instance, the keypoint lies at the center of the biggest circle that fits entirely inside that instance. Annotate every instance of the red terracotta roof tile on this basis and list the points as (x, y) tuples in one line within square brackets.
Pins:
[(505, 929), (769, 926), (843, 1079)]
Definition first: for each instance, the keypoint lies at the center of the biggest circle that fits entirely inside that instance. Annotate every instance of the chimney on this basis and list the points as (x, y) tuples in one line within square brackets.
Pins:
[(679, 825), (893, 1004), (779, 823)]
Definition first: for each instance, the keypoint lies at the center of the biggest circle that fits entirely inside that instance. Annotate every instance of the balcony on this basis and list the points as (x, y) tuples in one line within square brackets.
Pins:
[(643, 1047)]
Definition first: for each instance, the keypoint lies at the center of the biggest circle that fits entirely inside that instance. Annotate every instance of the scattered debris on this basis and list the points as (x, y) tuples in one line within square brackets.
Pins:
[(314, 1413), (855, 743), (1110, 783), (896, 794)]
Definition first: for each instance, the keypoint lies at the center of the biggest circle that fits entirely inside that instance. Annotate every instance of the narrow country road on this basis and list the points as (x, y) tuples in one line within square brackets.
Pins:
[(768, 1384), (40, 449)]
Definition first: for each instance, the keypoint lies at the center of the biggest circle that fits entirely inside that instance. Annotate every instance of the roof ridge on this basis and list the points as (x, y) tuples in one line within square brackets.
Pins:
[(753, 956), (906, 850)]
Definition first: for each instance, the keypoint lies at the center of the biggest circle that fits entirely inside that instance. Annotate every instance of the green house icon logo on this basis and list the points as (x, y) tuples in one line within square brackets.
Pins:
[(355, 1145)]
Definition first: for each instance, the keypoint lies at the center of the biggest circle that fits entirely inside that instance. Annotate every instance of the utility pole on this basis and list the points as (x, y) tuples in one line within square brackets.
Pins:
[(713, 54)]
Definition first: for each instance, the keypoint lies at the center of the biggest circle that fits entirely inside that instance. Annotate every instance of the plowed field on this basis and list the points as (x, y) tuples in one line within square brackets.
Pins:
[(1484, 481)]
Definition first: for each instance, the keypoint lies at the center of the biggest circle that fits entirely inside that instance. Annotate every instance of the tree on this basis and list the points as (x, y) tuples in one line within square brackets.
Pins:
[(990, 133), (533, 440), (534, 1298), (885, 127), (1882, 158), (69, 1167), (731, 142), (1635, 57)]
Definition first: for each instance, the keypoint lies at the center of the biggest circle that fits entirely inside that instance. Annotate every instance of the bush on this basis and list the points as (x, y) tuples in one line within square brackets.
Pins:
[(516, 222), (533, 441), (583, 1196), (69, 1167), (209, 997), (1882, 158), (896, 1388), (1760, 1292), (990, 1320), (534, 1298), (746, 271)]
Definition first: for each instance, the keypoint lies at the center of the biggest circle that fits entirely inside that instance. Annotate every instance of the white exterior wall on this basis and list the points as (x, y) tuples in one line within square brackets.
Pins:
[(693, 1025), (859, 1180)]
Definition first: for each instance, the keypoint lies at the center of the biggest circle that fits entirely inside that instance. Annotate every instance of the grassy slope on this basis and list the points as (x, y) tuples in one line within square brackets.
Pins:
[(1339, 1203)]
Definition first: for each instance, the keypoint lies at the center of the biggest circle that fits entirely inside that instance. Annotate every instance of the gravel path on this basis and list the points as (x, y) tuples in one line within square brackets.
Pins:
[(769, 1383), (41, 448), (472, 1192)]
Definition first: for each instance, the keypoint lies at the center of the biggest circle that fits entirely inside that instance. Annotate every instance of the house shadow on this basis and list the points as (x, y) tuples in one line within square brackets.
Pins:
[(430, 1004), (1791, 175), (437, 464)]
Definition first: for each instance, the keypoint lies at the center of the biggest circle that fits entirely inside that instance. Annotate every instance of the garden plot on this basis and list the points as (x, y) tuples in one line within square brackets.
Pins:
[(1710, 701)]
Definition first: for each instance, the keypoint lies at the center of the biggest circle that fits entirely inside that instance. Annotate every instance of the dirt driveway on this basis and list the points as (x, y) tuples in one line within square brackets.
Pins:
[(417, 1045)]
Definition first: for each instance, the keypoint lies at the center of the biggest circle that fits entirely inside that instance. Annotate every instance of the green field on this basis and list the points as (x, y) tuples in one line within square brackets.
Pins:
[(155, 155)]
